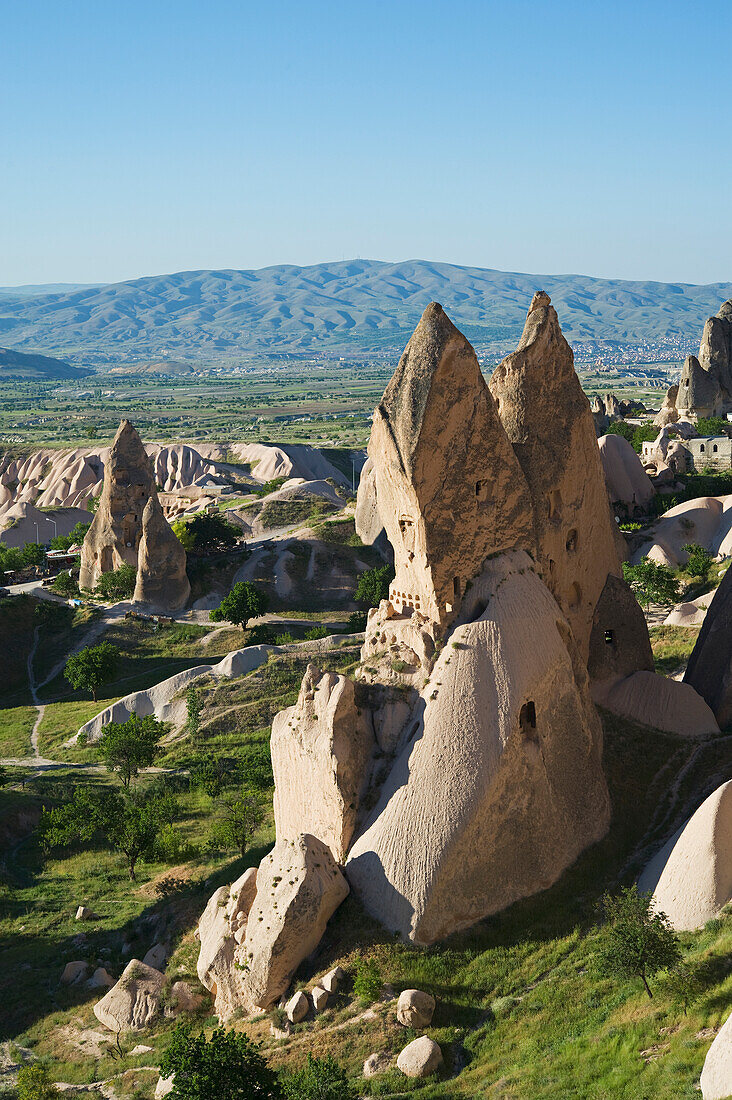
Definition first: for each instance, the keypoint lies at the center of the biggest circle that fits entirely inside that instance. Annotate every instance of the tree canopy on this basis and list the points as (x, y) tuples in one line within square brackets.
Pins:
[(244, 602), (638, 941), (373, 586), (117, 584), (92, 667), (651, 582), (228, 1066), (206, 532), (126, 747)]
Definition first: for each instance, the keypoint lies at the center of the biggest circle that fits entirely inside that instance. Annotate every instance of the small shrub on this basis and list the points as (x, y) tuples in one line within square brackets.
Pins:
[(315, 632), (367, 983), (34, 1083)]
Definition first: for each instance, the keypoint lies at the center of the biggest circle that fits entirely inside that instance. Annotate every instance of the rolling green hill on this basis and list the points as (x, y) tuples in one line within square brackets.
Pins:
[(14, 364)]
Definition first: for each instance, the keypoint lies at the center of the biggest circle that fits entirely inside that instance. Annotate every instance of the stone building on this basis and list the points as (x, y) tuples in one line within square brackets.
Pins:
[(710, 451)]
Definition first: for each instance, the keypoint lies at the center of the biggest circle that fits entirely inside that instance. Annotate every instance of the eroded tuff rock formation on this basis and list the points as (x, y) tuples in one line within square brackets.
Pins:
[(709, 670), (462, 769), (548, 420), (129, 528), (499, 785), (705, 387)]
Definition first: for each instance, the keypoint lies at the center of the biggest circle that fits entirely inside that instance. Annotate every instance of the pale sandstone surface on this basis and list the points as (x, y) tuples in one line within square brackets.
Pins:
[(319, 997), (709, 670), (699, 391), (627, 481), (716, 1075), (226, 913), (297, 1007), (474, 816), (333, 979), (694, 521), (691, 613), (668, 413), (420, 1058), (74, 972), (659, 702), (134, 1001), (162, 582), (619, 642), (691, 877), (548, 420), (320, 750), (299, 887), (164, 1086), (442, 463), (116, 529), (376, 1063), (415, 1008)]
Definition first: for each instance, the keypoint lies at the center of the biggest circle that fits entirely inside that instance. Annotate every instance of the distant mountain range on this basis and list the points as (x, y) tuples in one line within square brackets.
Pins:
[(352, 306), (14, 364)]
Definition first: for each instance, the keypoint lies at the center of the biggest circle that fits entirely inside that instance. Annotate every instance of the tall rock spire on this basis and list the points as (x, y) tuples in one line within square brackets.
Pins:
[(548, 419), (450, 490)]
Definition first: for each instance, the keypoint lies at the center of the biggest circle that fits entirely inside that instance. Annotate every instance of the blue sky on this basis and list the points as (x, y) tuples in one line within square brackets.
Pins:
[(140, 138)]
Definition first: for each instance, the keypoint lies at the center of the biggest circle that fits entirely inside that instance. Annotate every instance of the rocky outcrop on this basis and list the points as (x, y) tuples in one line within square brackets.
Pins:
[(699, 391), (500, 784), (709, 670), (548, 420), (320, 751), (415, 1008), (116, 530), (657, 702), (220, 929), (441, 461), (619, 641), (134, 1002), (369, 525), (162, 582), (627, 482), (299, 887), (668, 413), (691, 877), (705, 387), (716, 1075)]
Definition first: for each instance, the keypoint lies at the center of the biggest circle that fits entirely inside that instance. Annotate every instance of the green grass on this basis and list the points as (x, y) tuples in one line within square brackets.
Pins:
[(672, 646), (16, 724)]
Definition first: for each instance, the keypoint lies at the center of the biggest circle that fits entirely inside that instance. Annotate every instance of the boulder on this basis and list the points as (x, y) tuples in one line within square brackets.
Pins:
[(297, 1007), (157, 956), (709, 670), (74, 972), (504, 744), (333, 979), (626, 480), (100, 979), (299, 887), (134, 1001), (319, 997), (415, 1008), (658, 702), (716, 1075), (220, 929), (162, 583), (320, 751), (164, 1086), (691, 877), (420, 1058), (439, 454), (668, 413), (139, 1050), (83, 913), (376, 1063), (184, 998)]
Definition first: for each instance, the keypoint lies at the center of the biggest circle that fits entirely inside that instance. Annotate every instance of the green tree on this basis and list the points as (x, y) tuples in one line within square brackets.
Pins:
[(228, 1066), (126, 747), (11, 559), (211, 774), (194, 706), (700, 560), (34, 1083), (65, 585), (619, 427), (117, 584), (645, 433), (368, 982), (239, 817), (34, 554), (319, 1079), (185, 535), (74, 537), (373, 586), (206, 532), (712, 425), (651, 582), (684, 984), (637, 941), (244, 602), (92, 667), (128, 823)]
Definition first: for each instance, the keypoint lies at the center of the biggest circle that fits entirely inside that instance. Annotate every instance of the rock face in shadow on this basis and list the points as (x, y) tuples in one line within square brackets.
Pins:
[(500, 785), (548, 420), (691, 877), (442, 465), (709, 670), (705, 387), (619, 641), (162, 581), (320, 749), (116, 530), (129, 528), (699, 391)]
